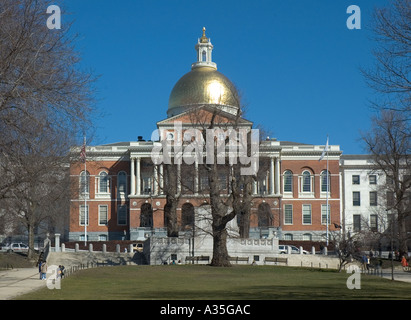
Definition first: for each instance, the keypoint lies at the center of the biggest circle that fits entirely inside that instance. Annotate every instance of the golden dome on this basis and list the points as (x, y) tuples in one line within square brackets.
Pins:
[(203, 85)]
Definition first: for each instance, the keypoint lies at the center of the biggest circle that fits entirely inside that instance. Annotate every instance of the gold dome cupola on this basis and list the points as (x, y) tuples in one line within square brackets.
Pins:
[(204, 49), (203, 85)]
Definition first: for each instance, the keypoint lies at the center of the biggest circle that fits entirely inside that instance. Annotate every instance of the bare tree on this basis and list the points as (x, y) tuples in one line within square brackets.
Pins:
[(45, 103), (217, 129), (389, 143), (390, 76)]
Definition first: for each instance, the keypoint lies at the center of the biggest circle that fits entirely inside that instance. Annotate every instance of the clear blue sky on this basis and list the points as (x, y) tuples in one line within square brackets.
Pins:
[(295, 62)]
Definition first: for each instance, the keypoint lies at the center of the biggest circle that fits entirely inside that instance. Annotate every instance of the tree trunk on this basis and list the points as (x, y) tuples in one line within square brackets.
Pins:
[(244, 227), (170, 211), (30, 253), (220, 253)]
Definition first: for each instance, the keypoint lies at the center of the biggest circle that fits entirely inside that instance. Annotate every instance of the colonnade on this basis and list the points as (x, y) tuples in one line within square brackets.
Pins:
[(273, 187)]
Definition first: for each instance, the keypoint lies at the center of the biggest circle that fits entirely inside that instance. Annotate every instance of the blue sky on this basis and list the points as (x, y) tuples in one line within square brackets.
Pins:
[(295, 62)]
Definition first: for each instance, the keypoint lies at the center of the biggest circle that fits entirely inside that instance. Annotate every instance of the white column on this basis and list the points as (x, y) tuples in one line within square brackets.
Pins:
[(155, 180), (277, 175), (138, 177), (272, 176), (161, 179), (132, 176)]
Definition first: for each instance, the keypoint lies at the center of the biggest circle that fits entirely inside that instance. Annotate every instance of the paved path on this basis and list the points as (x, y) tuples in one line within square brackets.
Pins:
[(399, 275), (19, 281)]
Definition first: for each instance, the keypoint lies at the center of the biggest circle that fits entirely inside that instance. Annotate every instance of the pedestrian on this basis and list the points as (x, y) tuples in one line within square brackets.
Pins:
[(40, 262), (404, 262), (61, 271), (368, 262), (364, 262), (43, 270)]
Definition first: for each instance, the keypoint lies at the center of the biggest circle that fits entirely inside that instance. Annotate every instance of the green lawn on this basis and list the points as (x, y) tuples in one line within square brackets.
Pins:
[(204, 282)]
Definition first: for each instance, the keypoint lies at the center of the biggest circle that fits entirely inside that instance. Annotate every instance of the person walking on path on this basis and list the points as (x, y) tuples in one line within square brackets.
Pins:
[(43, 270), (40, 262)]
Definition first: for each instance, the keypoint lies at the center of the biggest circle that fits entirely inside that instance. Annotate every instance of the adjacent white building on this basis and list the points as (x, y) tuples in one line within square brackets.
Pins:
[(364, 202)]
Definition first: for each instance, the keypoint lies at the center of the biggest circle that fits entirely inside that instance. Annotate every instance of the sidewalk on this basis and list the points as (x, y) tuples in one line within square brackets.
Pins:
[(399, 275), (19, 281)]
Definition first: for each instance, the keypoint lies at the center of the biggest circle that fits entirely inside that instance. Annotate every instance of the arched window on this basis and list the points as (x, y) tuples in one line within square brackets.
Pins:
[(306, 181), (204, 56), (288, 181), (103, 183), (187, 216), (325, 183), (146, 216), (122, 182), (84, 183)]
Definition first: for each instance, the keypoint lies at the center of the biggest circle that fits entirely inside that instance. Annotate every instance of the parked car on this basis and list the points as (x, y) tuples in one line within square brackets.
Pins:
[(294, 249), (15, 247), (138, 247)]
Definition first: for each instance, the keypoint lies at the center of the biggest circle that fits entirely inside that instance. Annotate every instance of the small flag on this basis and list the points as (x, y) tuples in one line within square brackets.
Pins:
[(83, 152), (324, 151)]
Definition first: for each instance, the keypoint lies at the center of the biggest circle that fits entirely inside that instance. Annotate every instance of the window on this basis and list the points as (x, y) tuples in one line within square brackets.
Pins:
[(122, 182), (324, 214), (373, 198), (146, 216), (325, 181), (288, 236), (306, 181), (306, 213), (264, 215), (372, 178), (355, 179), (102, 237), (373, 222), (84, 183), (103, 182), (307, 237), (83, 215), (122, 215), (187, 216), (288, 181), (356, 200), (357, 222), (288, 214), (204, 56), (102, 214)]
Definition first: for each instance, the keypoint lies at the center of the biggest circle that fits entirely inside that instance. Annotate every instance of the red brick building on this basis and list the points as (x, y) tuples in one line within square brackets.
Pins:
[(120, 189)]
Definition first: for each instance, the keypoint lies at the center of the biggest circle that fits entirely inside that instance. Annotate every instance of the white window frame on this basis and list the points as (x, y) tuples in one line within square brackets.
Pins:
[(323, 194), (122, 194), (302, 193), (288, 194), (99, 214), (324, 214), (84, 211), (99, 193), (292, 214), (305, 213), (82, 194)]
